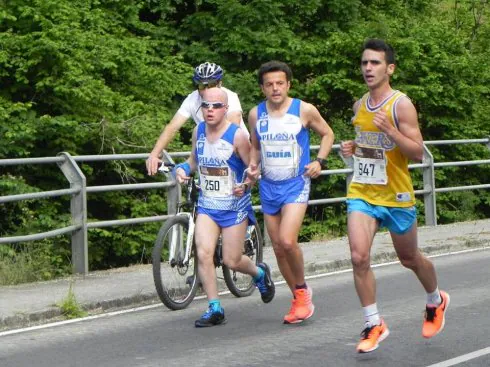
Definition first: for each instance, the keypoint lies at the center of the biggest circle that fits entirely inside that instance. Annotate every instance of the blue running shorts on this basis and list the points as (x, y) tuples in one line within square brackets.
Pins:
[(228, 218), (397, 220), (275, 194)]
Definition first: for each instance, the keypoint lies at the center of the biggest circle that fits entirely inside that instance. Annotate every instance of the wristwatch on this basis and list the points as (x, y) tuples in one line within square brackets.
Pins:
[(322, 161)]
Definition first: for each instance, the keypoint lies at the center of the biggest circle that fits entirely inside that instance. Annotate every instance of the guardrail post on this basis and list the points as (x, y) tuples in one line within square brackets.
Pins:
[(174, 192), (429, 185), (78, 209)]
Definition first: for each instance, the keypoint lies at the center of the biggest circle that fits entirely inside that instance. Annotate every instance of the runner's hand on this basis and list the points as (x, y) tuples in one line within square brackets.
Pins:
[(313, 169), (240, 189), (253, 172), (181, 176), (382, 121), (347, 148)]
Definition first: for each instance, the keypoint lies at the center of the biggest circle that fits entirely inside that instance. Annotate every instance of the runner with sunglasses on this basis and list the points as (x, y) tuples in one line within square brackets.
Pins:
[(220, 153), (206, 75)]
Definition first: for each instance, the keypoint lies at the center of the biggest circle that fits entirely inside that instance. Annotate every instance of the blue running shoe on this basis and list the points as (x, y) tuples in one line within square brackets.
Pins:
[(266, 286), (211, 318)]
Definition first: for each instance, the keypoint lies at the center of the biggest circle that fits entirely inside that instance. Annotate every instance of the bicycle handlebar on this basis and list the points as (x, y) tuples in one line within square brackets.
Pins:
[(164, 167)]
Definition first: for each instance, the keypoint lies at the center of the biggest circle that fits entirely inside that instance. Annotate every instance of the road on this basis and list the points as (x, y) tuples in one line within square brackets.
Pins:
[(255, 336)]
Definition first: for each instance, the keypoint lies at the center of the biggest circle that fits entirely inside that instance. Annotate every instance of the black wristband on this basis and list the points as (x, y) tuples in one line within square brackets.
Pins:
[(323, 162)]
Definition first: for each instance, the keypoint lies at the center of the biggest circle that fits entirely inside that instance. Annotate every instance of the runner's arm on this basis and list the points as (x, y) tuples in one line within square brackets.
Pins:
[(408, 136), (242, 146), (255, 150), (317, 123), (347, 146)]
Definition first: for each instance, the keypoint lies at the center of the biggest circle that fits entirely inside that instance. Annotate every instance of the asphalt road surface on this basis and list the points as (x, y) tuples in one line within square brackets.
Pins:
[(255, 335)]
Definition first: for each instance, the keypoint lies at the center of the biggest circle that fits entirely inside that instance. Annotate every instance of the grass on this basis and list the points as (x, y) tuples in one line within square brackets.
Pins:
[(21, 268), (27, 264), (69, 306)]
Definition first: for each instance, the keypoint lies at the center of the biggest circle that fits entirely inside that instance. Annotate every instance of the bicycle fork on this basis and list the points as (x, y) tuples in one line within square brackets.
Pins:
[(176, 243)]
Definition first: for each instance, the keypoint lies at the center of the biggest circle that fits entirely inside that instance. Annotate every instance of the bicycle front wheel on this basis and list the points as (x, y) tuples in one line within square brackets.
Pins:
[(242, 285), (176, 281)]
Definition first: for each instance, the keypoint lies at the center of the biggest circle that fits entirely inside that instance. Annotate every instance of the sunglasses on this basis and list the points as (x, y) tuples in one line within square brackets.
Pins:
[(202, 86), (214, 105)]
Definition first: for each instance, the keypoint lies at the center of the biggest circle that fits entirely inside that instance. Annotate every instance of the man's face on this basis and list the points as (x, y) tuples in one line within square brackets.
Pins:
[(214, 105), (375, 69), (275, 86)]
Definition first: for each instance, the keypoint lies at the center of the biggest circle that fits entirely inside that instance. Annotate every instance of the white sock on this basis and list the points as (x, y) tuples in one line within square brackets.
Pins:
[(371, 315), (434, 298)]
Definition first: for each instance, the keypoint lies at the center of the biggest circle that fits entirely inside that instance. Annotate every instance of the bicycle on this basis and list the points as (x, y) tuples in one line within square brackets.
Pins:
[(174, 255)]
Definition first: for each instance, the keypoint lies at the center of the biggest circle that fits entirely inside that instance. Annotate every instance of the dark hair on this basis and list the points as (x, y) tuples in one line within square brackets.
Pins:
[(272, 66), (380, 45)]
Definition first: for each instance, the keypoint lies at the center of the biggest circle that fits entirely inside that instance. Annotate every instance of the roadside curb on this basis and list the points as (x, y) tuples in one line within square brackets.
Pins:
[(54, 313)]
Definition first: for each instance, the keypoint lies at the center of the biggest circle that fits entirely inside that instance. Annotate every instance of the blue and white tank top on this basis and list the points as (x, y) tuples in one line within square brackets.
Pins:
[(220, 169), (284, 143)]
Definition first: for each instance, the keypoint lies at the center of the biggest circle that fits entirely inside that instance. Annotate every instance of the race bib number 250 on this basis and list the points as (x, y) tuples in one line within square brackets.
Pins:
[(216, 181)]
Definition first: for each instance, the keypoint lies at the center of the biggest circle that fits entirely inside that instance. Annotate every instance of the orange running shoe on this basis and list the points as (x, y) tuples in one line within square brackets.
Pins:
[(434, 318), (290, 317), (304, 306), (371, 336)]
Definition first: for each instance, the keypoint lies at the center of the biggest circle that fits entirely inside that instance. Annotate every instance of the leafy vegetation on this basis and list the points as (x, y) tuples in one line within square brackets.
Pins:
[(101, 77), (31, 262), (69, 306)]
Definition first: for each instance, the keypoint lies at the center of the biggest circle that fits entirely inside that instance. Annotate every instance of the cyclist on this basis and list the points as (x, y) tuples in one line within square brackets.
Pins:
[(220, 154), (206, 75), (280, 143)]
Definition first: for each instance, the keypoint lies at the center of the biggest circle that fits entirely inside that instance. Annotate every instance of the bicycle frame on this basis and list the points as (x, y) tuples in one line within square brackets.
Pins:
[(190, 237)]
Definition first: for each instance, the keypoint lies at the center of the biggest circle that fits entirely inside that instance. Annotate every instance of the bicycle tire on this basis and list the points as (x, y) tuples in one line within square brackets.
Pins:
[(176, 283), (242, 285)]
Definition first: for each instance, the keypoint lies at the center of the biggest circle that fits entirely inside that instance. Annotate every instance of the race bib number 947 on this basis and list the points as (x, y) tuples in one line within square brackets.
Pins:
[(370, 166)]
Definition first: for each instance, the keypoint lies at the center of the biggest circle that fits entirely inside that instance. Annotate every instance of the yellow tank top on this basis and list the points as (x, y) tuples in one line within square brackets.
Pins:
[(381, 174)]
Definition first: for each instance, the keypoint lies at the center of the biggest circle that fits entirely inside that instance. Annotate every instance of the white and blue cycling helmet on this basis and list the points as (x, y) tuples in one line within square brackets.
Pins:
[(207, 72)]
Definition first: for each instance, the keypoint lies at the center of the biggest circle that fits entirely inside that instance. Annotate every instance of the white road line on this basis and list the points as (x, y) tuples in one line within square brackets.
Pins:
[(142, 308), (463, 358), (390, 263), (72, 321), (107, 314)]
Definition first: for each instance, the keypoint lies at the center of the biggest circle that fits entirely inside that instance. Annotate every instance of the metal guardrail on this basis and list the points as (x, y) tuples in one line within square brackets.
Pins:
[(78, 190)]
